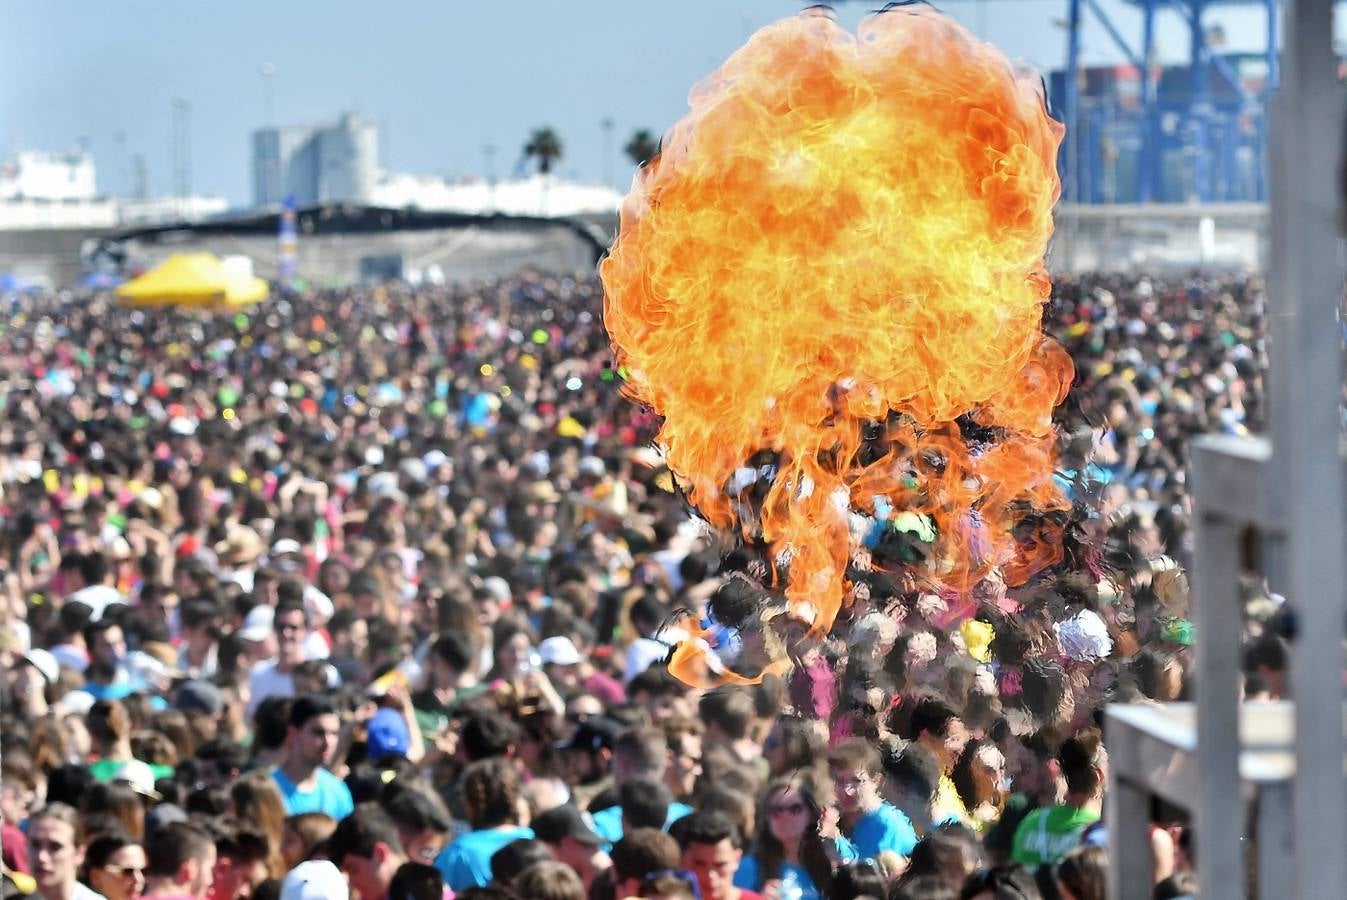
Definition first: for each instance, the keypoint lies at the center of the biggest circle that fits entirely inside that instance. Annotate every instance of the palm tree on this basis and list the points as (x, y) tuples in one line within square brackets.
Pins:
[(544, 146), (642, 147)]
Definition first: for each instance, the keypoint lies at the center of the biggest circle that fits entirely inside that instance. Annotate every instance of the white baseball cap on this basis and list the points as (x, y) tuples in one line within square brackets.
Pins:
[(558, 651), (44, 662), (139, 776), (315, 879), (259, 623)]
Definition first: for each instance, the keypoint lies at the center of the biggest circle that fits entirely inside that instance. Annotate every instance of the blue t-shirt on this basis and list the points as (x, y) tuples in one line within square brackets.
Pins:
[(884, 829), (608, 821), (329, 796), (467, 861), (749, 877)]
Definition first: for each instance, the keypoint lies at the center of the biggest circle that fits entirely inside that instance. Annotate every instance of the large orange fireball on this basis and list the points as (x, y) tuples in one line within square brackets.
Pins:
[(830, 283)]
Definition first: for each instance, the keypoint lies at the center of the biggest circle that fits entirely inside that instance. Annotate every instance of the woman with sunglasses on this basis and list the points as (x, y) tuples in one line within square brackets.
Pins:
[(794, 857), (114, 866)]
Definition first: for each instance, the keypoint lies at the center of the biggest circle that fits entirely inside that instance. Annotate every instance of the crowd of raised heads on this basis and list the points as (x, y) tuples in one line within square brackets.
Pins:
[(371, 593)]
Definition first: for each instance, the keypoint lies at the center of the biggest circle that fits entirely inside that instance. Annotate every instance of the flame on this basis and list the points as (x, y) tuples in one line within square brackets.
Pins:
[(835, 264)]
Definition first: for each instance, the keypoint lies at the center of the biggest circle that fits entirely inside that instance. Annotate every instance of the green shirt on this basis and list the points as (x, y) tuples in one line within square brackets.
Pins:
[(104, 769), (1047, 835)]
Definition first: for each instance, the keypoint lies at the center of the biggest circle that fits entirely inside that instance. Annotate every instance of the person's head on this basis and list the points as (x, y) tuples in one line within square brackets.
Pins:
[(661, 694), (950, 852), (55, 848), (645, 802), (1083, 874), (794, 743), (488, 734), (1179, 886), (791, 817), (738, 805), (18, 791), (1008, 882), (182, 857), (512, 646), (587, 756), (671, 885), (451, 656), (119, 800), (303, 833), (106, 643), (684, 740), (200, 619), (1033, 767), (980, 773), (257, 800), (924, 887), (855, 769), (561, 662), (640, 852), (491, 793), (366, 847), (640, 752), (109, 724), (791, 810), (728, 714), (549, 880), (568, 834), (291, 624), (712, 849), (221, 760), (310, 676), (1084, 765), (937, 726), (114, 866), (855, 880), (422, 821), (310, 880), (271, 724), (416, 881), (313, 730), (512, 859), (242, 854)]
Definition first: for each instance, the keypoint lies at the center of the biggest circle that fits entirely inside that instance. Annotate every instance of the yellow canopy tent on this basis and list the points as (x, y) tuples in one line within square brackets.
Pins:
[(195, 280)]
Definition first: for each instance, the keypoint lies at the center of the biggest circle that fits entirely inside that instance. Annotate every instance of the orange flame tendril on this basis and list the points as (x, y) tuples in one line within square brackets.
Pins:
[(844, 226)]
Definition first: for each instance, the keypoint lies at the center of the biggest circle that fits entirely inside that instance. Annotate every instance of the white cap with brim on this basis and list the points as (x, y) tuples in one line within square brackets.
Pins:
[(139, 776), (315, 879), (44, 662), (558, 650), (259, 623)]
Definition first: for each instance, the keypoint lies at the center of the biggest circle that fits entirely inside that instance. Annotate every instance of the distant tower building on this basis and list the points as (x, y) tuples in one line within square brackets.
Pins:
[(348, 161), (336, 163)]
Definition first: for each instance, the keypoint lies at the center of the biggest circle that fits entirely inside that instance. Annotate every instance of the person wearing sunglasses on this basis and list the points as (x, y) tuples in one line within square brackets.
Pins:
[(792, 856), (114, 866)]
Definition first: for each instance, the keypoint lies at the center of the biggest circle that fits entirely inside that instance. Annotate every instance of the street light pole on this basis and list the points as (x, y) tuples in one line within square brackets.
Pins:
[(607, 125), (489, 156), (267, 71)]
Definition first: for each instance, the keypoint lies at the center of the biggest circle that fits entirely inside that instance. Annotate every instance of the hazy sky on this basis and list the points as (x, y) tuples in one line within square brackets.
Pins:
[(444, 79)]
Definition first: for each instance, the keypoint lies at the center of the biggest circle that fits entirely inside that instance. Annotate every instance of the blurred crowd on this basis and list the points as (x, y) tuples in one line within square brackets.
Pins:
[(370, 593)]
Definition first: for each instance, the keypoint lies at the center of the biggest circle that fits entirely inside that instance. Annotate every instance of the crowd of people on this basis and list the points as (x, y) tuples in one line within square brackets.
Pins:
[(371, 593)]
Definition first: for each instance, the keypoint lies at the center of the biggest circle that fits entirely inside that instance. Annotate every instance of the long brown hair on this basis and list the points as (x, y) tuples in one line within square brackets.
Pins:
[(813, 853), (258, 802), (119, 801)]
